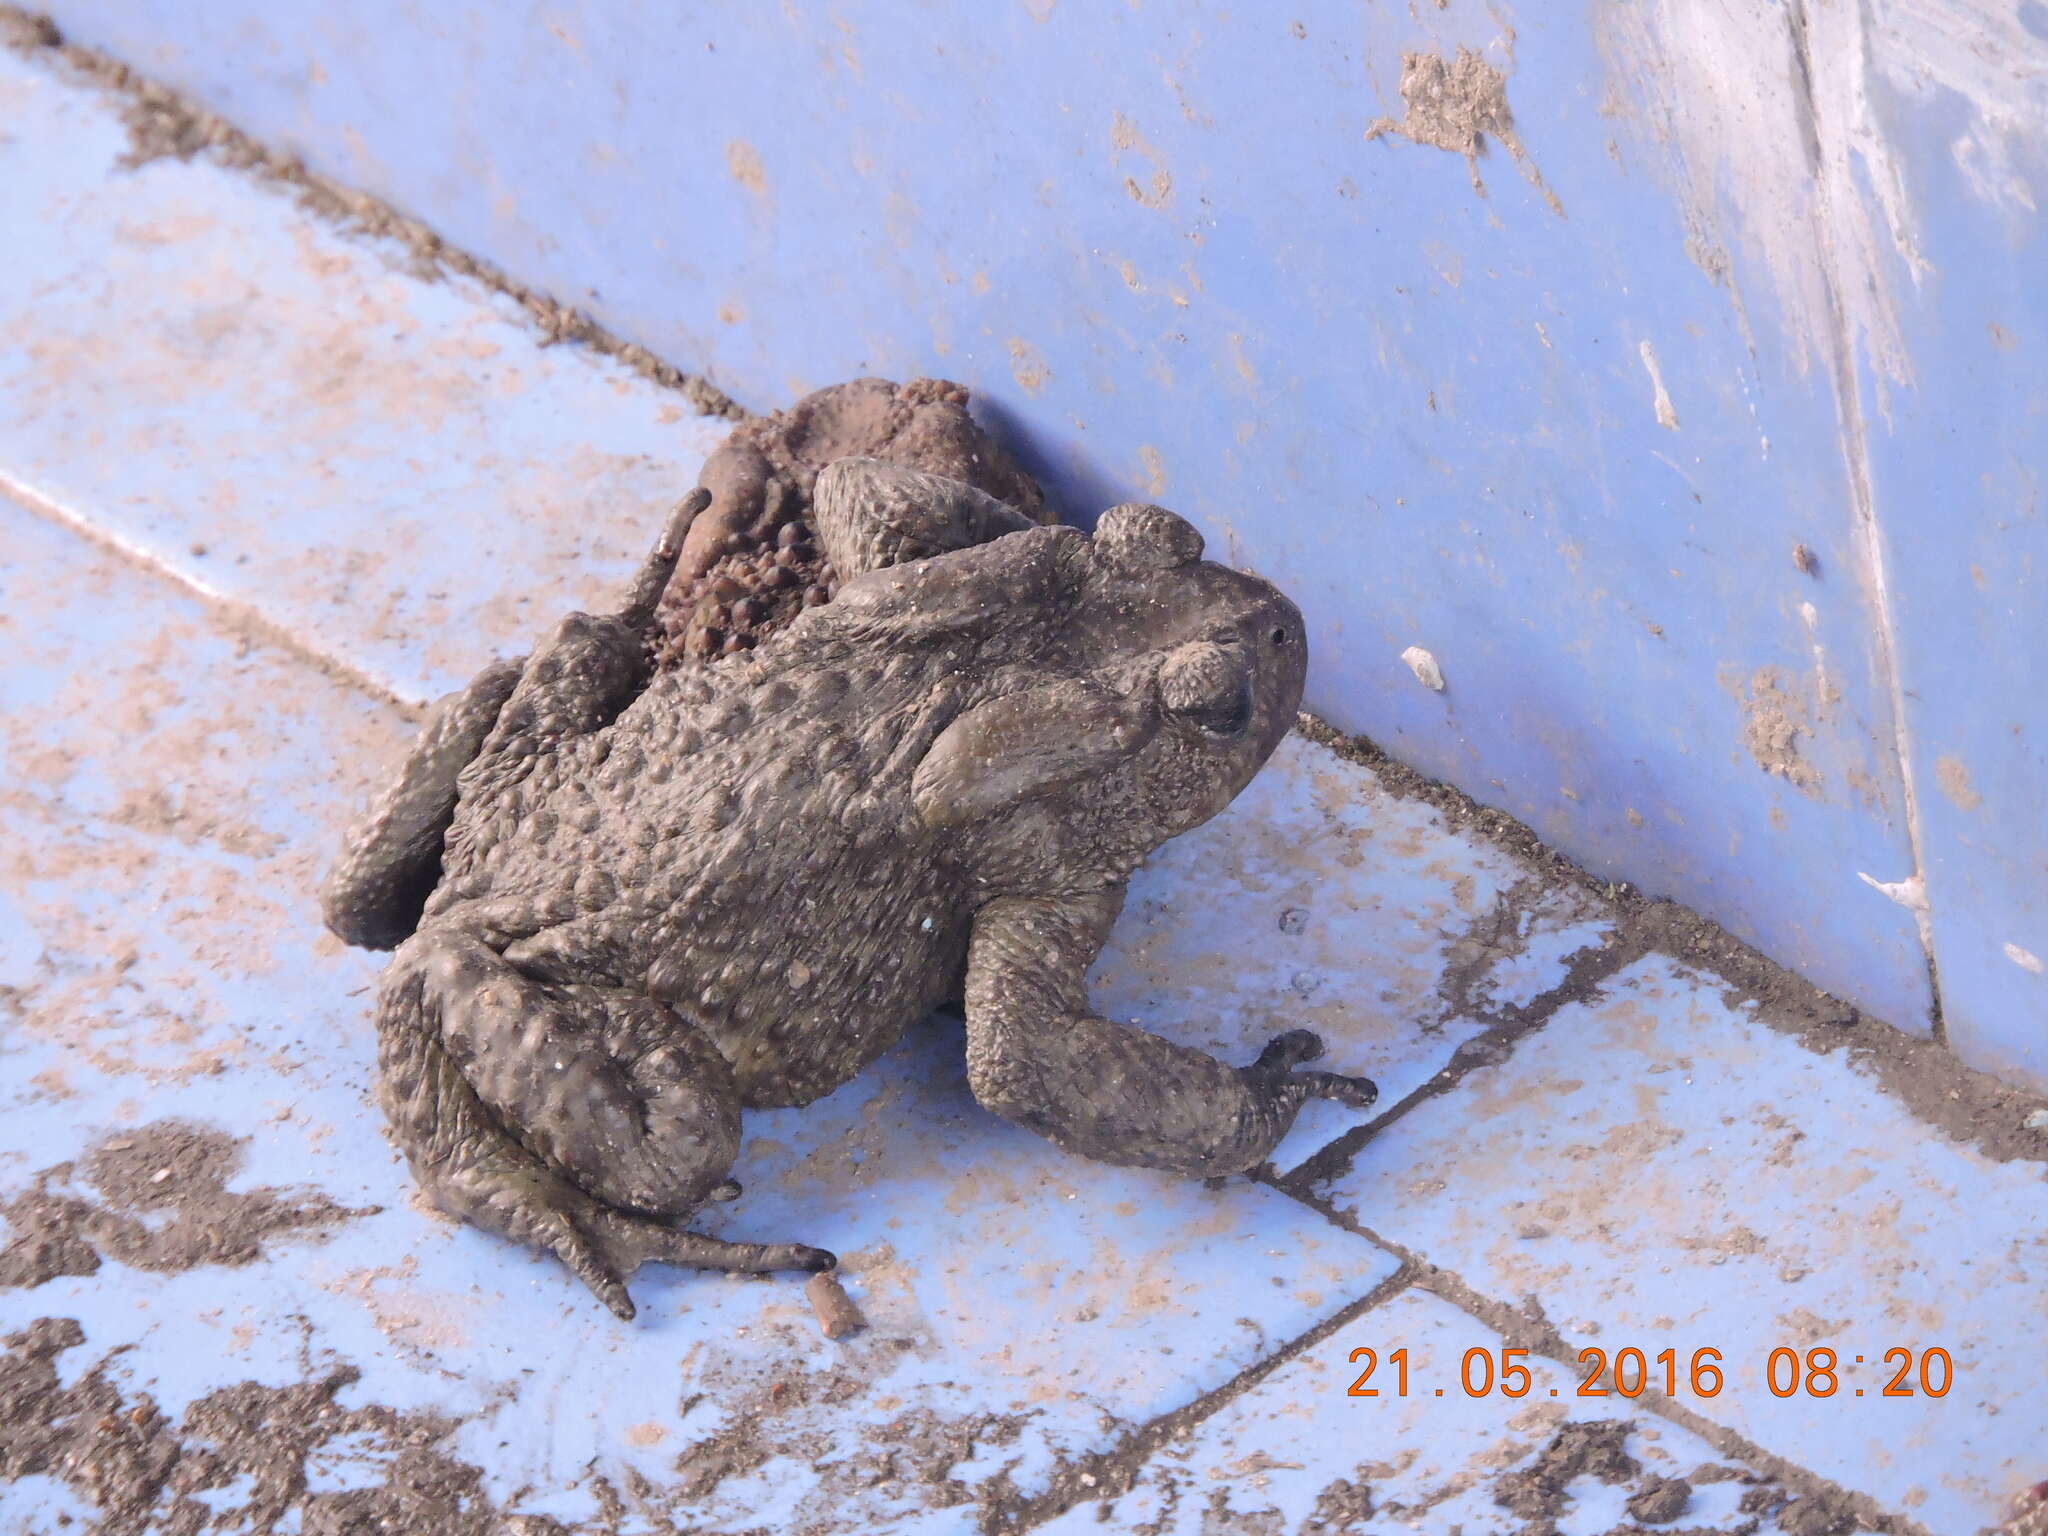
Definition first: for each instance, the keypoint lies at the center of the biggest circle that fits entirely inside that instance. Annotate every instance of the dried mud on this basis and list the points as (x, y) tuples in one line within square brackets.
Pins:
[(765, 1405), (238, 1459), (252, 1456), (1539, 1486), (1773, 720), (1814, 1514), (1454, 104), (164, 124), (2028, 1515), (1660, 1501), (1539, 1492), (163, 1205)]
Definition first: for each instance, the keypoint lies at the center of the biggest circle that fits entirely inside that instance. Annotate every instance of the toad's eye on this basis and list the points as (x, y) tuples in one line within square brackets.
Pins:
[(1228, 716), (1280, 636)]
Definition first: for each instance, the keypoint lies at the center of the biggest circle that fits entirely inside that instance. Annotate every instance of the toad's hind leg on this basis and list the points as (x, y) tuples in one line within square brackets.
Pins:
[(581, 1121), (577, 681), (391, 859)]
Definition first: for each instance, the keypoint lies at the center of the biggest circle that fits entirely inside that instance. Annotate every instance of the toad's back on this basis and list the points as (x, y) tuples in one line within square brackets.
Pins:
[(740, 844)]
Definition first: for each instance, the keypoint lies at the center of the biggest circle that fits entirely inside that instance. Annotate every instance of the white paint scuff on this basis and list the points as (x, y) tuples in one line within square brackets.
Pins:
[(1770, 109), (1661, 402), (2025, 959), (1910, 893), (1824, 690)]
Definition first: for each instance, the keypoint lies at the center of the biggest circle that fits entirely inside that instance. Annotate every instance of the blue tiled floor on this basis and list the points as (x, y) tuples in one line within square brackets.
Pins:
[(264, 490)]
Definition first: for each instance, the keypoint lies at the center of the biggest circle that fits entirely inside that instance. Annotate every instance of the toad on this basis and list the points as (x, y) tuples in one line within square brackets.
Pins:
[(628, 902)]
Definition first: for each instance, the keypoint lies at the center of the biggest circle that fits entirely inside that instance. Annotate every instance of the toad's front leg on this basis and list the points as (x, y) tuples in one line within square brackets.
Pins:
[(1038, 1056), (582, 1121)]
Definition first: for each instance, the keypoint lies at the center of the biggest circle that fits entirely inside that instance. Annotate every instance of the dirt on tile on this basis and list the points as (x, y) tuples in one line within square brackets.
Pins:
[(907, 1459), (253, 1456), (1660, 1501), (162, 1205), (1824, 1512), (1344, 1506), (164, 124), (249, 1446), (1595, 1448), (2028, 1515), (1817, 1514)]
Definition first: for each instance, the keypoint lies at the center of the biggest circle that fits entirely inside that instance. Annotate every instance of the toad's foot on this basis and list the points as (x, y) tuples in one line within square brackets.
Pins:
[(1274, 1071), (603, 1247), (635, 1240), (506, 1190)]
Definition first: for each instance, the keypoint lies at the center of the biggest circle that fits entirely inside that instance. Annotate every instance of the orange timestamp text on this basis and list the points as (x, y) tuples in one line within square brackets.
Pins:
[(1818, 1372)]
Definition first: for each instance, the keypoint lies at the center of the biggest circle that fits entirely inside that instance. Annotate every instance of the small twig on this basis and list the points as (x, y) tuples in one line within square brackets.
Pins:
[(838, 1317)]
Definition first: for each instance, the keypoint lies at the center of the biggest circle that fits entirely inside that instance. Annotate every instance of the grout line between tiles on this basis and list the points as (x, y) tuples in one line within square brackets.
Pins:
[(1527, 1327), (1587, 970), (1110, 1474), (1972, 1108), (234, 611)]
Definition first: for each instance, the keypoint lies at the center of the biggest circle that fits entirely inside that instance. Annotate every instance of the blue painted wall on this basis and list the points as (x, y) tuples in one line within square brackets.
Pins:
[(1700, 447), (1959, 475)]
